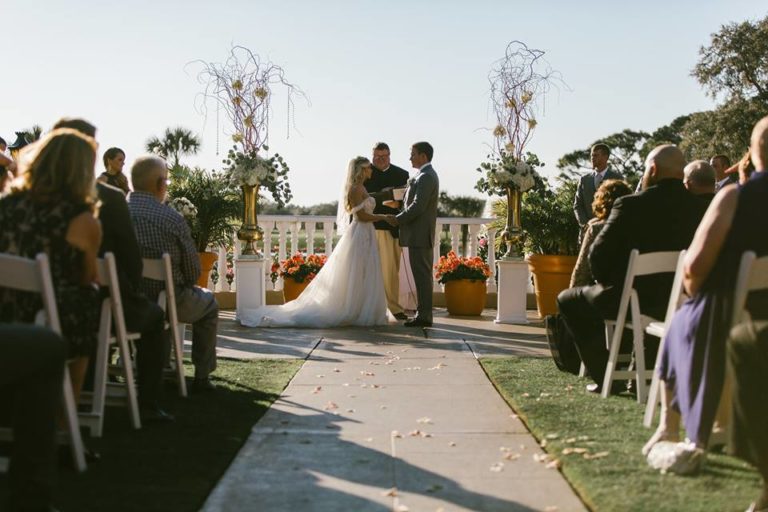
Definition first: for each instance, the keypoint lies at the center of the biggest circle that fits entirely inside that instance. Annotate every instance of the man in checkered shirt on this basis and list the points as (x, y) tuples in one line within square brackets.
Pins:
[(161, 229)]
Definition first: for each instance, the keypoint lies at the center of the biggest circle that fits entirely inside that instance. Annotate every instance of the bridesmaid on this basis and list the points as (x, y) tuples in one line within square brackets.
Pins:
[(114, 160)]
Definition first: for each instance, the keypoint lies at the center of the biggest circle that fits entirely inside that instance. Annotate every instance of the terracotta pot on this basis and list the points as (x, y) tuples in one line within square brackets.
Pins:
[(551, 275), (465, 297), (292, 289), (207, 260)]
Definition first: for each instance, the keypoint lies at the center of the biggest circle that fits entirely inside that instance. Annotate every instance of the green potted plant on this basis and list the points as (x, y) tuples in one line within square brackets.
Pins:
[(550, 238), (217, 205)]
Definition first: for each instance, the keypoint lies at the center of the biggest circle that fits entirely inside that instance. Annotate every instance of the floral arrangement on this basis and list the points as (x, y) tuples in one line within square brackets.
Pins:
[(184, 206), (250, 168), (504, 170), (242, 88), (298, 267), (452, 267)]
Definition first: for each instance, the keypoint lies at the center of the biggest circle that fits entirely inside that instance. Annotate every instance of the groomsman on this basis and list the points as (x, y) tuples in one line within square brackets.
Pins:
[(585, 192), (417, 228), (385, 177)]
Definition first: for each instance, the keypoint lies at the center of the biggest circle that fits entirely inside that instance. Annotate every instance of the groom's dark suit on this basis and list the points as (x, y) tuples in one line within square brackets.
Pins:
[(417, 232)]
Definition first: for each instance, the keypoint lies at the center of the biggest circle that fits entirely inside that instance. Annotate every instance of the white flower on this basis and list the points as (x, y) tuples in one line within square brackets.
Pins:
[(252, 171), (184, 206)]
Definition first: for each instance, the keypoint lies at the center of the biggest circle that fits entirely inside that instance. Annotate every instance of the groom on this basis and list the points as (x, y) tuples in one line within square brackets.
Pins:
[(417, 228)]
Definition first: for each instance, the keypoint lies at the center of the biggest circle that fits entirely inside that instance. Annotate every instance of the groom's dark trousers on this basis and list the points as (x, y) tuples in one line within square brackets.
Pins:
[(420, 259)]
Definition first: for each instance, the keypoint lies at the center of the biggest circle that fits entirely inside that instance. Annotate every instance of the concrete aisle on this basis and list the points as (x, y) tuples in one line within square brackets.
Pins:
[(390, 419)]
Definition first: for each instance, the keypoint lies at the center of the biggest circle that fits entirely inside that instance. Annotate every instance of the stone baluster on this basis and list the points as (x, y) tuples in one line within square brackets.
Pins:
[(474, 232), (222, 268), (295, 227), (491, 234), (455, 230), (310, 229), (328, 232)]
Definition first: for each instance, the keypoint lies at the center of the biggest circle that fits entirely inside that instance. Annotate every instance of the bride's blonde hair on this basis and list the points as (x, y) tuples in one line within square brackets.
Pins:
[(354, 173)]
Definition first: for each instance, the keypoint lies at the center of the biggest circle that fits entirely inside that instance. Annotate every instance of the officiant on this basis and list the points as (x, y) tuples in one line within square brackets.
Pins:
[(386, 185)]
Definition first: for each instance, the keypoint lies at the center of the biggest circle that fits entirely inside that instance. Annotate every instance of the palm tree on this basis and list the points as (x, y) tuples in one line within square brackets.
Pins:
[(175, 143)]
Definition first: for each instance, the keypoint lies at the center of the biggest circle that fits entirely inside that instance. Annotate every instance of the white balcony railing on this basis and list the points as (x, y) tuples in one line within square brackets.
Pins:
[(286, 234)]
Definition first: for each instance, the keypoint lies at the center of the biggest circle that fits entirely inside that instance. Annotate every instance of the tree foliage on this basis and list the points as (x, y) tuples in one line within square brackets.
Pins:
[(735, 64), (174, 143), (733, 67)]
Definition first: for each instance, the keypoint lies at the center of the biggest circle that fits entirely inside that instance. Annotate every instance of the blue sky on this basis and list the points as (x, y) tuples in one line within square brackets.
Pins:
[(398, 71)]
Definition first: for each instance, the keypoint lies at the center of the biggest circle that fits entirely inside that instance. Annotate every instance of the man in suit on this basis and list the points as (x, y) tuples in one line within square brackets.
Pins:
[(417, 228), (141, 314), (385, 177), (721, 163), (585, 192), (663, 217)]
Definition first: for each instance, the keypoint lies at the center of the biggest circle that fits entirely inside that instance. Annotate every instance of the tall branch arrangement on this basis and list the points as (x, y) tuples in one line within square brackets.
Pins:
[(519, 82), (242, 86)]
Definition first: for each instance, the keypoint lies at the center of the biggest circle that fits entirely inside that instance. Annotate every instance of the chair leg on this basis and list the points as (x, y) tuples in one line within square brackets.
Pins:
[(639, 347), (100, 370), (130, 381), (582, 370), (73, 426), (177, 333), (613, 356), (654, 395)]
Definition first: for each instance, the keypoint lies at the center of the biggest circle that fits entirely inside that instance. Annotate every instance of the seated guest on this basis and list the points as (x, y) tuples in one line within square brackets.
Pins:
[(692, 367), (720, 163), (114, 160), (663, 217), (748, 359), (161, 229), (699, 179), (608, 192), (31, 376), (141, 314), (741, 170), (51, 209), (7, 166)]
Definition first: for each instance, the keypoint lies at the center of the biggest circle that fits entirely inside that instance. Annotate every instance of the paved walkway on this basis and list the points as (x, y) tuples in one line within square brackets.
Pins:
[(389, 419)]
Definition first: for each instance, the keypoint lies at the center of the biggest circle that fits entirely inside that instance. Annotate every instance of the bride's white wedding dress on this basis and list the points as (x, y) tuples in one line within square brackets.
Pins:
[(348, 290)]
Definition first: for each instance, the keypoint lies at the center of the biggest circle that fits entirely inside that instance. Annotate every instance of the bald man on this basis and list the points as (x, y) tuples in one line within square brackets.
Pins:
[(160, 229), (699, 179), (663, 217)]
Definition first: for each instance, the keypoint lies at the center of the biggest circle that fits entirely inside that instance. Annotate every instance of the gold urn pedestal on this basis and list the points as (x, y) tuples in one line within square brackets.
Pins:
[(250, 233), (513, 230)]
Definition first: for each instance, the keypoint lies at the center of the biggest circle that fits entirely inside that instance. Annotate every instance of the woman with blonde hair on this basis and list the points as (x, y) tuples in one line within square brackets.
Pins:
[(349, 289), (51, 208)]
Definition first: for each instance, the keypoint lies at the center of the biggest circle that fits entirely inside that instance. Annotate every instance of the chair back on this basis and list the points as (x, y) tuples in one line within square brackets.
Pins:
[(28, 275), (161, 270), (752, 276), (34, 275)]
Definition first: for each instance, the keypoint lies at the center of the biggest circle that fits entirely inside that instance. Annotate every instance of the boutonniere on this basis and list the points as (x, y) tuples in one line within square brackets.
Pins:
[(411, 181)]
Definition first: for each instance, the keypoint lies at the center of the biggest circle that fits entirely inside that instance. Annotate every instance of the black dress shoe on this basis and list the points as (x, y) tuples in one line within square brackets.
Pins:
[(401, 316), (155, 415), (202, 386), (417, 323)]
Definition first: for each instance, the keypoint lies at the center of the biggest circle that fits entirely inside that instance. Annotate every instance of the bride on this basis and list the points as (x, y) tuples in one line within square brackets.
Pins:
[(349, 289)]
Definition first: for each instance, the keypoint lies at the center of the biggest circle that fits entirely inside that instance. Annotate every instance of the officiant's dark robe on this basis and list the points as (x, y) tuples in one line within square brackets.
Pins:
[(395, 177)]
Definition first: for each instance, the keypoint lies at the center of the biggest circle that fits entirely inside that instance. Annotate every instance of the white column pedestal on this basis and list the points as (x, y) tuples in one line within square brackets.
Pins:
[(512, 291), (251, 292)]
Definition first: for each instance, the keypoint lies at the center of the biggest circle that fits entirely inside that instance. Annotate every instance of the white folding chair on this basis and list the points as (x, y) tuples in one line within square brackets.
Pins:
[(27, 275), (160, 270), (639, 265), (112, 320), (659, 329), (752, 276)]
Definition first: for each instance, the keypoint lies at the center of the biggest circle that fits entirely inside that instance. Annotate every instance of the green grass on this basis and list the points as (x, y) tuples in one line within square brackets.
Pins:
[(556, 408), (175, 466)]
